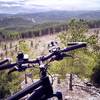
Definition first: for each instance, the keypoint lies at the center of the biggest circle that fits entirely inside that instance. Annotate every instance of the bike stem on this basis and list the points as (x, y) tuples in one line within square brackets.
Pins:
[(47, 84), (43, 71)]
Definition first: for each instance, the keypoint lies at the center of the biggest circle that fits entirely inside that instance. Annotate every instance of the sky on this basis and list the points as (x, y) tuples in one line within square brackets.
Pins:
[(14, 6)]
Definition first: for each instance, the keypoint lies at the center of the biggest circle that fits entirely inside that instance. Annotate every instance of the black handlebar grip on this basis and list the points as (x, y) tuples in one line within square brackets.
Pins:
[(75, 43), (4, 61), (74, 47), (7, 66)]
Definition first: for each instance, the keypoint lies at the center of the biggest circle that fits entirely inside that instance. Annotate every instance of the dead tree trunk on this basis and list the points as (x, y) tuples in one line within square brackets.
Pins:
[(70, 81)]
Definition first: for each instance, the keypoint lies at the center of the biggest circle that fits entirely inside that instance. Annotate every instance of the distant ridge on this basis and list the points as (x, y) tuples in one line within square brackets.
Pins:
[(48, 16)]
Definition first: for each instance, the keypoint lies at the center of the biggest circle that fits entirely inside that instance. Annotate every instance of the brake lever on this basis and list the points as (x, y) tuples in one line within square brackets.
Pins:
[(19, 69), (22, 68), (12, 70), (68, 55), (60, 57)]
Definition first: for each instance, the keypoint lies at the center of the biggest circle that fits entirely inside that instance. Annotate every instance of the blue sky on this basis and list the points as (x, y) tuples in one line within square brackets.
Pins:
[(28, 5)]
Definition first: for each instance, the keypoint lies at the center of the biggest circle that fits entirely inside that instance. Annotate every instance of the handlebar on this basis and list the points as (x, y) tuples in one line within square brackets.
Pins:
[(4, 61), (74, 47), (75, 43), (43, 58)]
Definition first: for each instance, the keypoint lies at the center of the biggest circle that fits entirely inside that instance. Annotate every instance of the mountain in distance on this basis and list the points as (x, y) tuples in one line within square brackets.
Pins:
[(90, 15), (55, 15), (47, 16)]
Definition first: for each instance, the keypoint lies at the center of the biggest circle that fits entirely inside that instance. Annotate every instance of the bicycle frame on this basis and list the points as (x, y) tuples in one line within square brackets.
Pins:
[(41, 90), (43, 86)]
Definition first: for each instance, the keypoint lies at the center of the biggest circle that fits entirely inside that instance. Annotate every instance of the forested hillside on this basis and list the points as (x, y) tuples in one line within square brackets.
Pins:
[(15, 26), (26, 29)]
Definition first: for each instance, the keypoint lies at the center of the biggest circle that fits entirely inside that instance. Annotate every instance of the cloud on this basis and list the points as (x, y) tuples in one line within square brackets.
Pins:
[(49, 5), (22, 3), (10, 3), (66, 4), (11, 6)]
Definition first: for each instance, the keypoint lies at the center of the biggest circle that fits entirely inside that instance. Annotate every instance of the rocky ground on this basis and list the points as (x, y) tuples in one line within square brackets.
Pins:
[(80, 89)]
